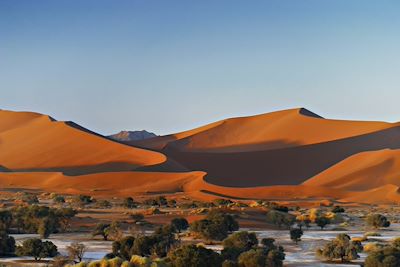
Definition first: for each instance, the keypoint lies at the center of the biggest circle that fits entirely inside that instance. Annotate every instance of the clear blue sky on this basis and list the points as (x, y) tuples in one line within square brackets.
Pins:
[(167, 66)]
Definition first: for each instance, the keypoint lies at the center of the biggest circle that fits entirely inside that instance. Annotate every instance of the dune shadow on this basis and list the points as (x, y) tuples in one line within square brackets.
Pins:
[(287, 166)]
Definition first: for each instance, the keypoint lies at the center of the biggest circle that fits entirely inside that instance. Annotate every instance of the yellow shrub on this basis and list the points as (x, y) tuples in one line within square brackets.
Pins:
[(94, 264), (314, 214), (127, 264), (372, 247), (115, 262), (140, 261)]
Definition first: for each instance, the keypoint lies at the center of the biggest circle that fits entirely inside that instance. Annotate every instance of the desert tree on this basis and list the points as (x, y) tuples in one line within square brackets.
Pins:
[(216, 226), (338, 209), (238, 243), (76, 251), (342, 247), (37, 249), (280, 218), (377, 221), (322, 221), (102, 230), (7, 244), (388, 256), (179, 224), (296, 234), (129, 203), (194, 256)]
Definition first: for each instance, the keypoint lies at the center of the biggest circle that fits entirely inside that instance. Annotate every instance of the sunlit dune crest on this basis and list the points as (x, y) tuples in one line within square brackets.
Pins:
[(290, 154)]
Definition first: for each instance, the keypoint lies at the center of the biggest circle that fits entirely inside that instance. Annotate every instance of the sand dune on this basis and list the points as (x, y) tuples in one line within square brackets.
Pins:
[(381, 195), (292, 154), (258, 155), (361, 172), (30, 141), (287, 166), (100, 184), (281, 129)]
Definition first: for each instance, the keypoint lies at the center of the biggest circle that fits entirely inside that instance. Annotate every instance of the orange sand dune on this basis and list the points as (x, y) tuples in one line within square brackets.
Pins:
[(286, 166), (100, 184), (30, 141), (361, 172), (292, 154), (132, 183), (280, 148), (381, 195), (281, 129)]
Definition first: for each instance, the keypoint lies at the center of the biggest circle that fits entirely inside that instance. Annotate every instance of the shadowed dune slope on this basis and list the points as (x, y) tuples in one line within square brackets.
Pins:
[(287, 166), (276, 130), (31, 141), (280, 148), (292, 154)]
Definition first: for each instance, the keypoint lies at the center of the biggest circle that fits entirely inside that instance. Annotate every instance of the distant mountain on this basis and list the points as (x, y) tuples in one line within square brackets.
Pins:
[(132, 135)]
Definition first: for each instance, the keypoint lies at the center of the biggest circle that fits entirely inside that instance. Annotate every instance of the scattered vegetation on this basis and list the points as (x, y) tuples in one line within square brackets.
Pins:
[(159, 243), (129, 203), (238, 243), (322, 222), (216, 226), (338, 209), (137, 217), (37, 249), (180, 224), (37, 219), (159, 201), (106, 230), (194, 256), (7, 244), (296, 234), (280, 218), (341, 248), (82, 200), (76, 251), (377, 221)]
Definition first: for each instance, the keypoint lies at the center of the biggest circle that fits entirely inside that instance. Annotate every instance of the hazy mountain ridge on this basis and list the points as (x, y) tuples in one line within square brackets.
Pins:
[(132, 135)]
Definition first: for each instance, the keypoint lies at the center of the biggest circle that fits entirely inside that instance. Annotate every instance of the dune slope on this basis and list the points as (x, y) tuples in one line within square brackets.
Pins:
[(276, 130), (31, 141), (292, 154)]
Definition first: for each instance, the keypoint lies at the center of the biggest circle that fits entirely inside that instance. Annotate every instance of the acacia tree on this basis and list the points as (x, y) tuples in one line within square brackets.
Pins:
[(107, 230), (37, 249), (296, 234), (180, 224), (76, 251), (7, 244), (341, 248), (6, 219), (102, 230), (129, 203), (377, 221), (238, 243), (322, 221), (216, 226), (194, 256), (280, 218)]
